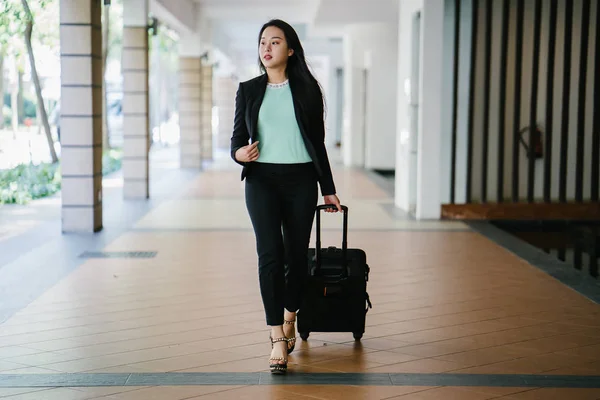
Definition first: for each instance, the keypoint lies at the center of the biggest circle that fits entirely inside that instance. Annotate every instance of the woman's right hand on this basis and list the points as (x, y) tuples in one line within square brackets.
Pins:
[(247, 153)]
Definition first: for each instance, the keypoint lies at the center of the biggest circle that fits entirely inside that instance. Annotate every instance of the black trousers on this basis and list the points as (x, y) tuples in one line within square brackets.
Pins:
[(281, 201)]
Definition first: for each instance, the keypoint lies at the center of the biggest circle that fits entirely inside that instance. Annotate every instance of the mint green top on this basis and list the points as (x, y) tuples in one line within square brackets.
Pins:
[(280, 140)]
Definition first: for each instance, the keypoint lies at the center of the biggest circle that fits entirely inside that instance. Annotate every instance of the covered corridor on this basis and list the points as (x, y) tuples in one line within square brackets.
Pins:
[(171, 309), (143, 284)]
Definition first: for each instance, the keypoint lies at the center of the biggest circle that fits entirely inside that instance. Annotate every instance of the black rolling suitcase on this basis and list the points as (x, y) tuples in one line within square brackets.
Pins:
[(335, 299)]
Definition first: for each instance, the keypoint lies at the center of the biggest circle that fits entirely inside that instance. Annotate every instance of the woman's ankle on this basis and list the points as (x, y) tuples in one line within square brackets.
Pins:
[(289, 315), (277, 331)]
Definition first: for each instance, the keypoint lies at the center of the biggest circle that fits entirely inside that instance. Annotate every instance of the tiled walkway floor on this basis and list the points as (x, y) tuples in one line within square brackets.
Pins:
[(445, 300)]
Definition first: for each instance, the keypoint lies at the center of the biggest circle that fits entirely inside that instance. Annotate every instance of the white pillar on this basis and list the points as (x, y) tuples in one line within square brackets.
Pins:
[(224, 98), (190, 101), (353, 129), (81, 115), (405, 178), (429, 174), (371, 76), (205, 28), (206, 115), (136, 132)]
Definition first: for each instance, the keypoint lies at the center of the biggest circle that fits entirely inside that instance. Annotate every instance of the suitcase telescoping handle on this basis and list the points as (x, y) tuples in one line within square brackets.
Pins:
[(344, 237)]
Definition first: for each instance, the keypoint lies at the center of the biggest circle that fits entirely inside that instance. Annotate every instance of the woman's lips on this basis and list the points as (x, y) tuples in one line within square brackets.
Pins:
[(267, 57)]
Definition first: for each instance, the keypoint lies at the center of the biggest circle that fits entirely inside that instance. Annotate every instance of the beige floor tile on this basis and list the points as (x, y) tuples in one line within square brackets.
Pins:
[(498, 391), (481, 356), (52, 345), (170, 392), (198, 213), (7, 365), (190, 361), (261, 392), (529, 365), (15, 351), (54, 394), (294, 366), (256, 364), (252, 350), (29, 370), (100, 391), (447, 393), (556, 394), (385, 357), (120, 369), (430, 349), (445, 299), (8, 392), (425, 365), (41, 359), (326, 353), (348, 364), (353, 392)]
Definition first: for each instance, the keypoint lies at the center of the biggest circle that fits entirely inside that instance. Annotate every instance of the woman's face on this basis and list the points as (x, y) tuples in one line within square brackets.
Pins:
[(273, 48)]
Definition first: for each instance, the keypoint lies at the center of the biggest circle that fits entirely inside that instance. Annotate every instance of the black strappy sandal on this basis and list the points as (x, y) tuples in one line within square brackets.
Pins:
[(292, 340), (276, 368)]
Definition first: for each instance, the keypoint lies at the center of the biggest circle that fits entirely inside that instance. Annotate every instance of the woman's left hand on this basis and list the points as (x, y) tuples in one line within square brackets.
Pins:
[(333, 199)]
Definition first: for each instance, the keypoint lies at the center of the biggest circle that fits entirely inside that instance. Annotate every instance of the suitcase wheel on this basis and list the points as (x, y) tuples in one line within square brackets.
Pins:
[(304, 335), (358, 335)]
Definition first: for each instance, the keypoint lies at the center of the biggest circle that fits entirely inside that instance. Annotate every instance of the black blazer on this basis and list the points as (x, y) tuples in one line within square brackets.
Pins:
[(248, 100)]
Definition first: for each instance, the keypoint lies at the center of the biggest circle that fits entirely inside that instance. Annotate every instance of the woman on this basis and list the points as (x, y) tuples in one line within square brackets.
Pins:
[(281, 114)]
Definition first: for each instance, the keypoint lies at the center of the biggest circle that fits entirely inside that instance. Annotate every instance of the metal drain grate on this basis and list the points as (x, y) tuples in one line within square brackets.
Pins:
[(118, 254)]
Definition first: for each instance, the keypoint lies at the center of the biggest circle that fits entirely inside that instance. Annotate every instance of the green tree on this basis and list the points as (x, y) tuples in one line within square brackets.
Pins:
[(12, 48), (112, 41), (17, 18), (1, 89)]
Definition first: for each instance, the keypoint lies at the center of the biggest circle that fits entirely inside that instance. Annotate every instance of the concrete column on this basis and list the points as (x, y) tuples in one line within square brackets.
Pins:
[(190, 110), (81, 115), (136, 133), (429, 172), (370, 92), (407, 106), (206, 115), (190, 102), (224, 98), (353, 141)]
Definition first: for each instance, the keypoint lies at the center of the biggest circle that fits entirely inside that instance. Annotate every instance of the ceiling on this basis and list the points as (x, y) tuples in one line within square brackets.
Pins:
[(259, 11), (235, 24)]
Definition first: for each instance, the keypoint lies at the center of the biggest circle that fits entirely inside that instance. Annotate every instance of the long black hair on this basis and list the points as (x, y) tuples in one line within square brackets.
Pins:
[(306, 87)]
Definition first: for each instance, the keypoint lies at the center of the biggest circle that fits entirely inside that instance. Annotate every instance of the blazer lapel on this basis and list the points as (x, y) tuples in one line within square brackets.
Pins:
[(257, 102)]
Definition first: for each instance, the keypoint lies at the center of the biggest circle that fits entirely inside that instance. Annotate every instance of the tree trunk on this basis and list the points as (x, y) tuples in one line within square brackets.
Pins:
[(106, 33), (20, 98), (14, 107), (1, 91), (36, 81)]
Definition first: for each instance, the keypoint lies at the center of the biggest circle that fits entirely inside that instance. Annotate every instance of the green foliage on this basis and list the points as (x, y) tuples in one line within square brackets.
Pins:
[(111, 161), (29, 108), (12, 27), (7, 115), (14, 19), (27, 182), (115, 27)]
